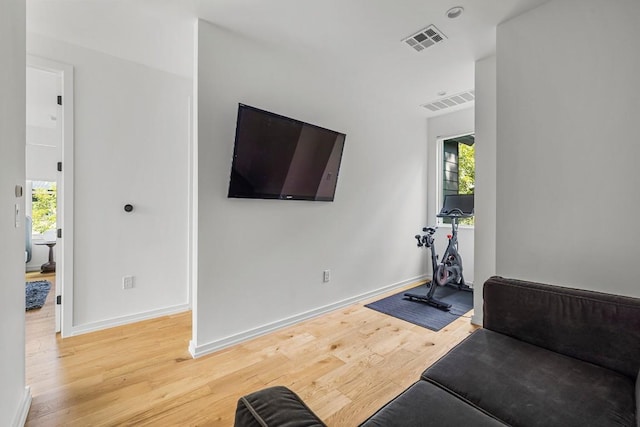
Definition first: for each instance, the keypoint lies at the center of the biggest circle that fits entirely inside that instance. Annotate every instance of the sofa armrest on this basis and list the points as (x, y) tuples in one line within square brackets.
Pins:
[(599, 328), (274, 407)]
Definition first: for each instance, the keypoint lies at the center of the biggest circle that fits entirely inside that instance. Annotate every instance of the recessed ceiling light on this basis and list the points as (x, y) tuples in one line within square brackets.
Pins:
[(454, 12)]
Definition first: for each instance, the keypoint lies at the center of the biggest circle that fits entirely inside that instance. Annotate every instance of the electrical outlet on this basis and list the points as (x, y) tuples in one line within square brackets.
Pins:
[(326, 276), (127, 282)]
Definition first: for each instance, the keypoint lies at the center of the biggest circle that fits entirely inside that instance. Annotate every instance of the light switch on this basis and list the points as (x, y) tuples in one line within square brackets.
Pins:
[(17, 217)]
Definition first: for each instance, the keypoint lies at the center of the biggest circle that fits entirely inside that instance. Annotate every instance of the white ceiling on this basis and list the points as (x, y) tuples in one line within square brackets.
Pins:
[(364, 37)]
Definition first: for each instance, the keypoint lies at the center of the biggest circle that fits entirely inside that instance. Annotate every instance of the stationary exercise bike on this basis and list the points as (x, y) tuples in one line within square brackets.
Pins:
[(449, 270)]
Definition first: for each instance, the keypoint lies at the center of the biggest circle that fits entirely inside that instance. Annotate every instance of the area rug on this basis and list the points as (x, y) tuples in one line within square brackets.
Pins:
[(37, 294), (422, 314)]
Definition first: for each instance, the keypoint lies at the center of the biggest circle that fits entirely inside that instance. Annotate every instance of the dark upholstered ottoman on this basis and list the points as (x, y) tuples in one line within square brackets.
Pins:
[(275, 406), (425, 405)]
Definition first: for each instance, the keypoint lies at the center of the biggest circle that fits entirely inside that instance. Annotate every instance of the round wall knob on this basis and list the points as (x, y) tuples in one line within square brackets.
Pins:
[(128, 207)]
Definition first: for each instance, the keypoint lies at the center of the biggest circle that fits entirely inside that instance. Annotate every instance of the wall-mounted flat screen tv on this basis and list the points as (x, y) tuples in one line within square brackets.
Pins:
[(276, 157)]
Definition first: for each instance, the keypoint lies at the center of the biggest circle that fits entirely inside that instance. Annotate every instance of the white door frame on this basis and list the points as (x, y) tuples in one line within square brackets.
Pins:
[(64, 252)]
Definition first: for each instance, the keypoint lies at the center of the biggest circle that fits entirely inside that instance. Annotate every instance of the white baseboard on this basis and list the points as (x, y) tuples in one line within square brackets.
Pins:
[(124, 320), (21, 415), (476, 319), (213, 346)]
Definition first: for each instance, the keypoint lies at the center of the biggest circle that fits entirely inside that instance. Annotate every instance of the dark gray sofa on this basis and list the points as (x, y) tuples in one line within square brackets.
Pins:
[(546, 356)]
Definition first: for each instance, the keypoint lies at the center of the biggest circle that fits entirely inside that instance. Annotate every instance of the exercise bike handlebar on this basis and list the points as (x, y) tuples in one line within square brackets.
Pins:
[(454, 213)]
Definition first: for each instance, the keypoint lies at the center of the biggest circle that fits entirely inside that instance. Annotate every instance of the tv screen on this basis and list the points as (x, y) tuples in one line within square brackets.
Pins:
[(276, 157)]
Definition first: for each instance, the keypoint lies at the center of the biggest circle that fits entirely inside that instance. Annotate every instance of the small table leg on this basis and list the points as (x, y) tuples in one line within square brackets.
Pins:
[(49, 267)]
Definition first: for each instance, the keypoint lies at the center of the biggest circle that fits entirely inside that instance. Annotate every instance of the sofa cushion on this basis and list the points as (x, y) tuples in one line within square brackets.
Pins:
[(567, 321), (638, 399), (425, 404), (274, 407), (525, 385)]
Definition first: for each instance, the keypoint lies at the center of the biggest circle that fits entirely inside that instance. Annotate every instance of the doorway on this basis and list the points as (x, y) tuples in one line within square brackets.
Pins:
[(49, 182)]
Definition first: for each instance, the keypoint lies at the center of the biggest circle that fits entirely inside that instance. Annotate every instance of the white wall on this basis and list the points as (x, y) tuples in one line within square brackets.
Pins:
[(41, 161), (14, 397), (44, 133), (485, 190), (131, 146), (452, 124), (568, 104), (261, 261)]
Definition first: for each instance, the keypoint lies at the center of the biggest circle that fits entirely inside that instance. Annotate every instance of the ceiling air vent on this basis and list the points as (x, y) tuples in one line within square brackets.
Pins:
[(451, 101), (425, 38)]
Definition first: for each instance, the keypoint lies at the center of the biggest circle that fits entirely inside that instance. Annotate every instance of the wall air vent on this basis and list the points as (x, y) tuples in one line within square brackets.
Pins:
[(425, 38), (451, 101)]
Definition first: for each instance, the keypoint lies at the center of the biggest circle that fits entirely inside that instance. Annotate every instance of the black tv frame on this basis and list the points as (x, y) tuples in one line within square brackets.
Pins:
[(234, 192)]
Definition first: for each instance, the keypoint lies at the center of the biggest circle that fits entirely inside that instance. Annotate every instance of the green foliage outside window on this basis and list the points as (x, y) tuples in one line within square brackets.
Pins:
[(466, 168), (43, 212), (466, 174)]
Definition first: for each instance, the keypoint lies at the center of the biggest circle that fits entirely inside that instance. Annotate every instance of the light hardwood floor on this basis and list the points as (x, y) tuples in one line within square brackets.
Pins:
[(41, 322), (344, 364)]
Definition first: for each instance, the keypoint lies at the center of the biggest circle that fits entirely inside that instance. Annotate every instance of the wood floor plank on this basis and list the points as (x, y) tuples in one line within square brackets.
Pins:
[(344, 364)]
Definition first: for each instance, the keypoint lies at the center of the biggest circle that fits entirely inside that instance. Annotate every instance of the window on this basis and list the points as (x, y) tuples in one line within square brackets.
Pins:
[(458, 169), (43, 206)]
